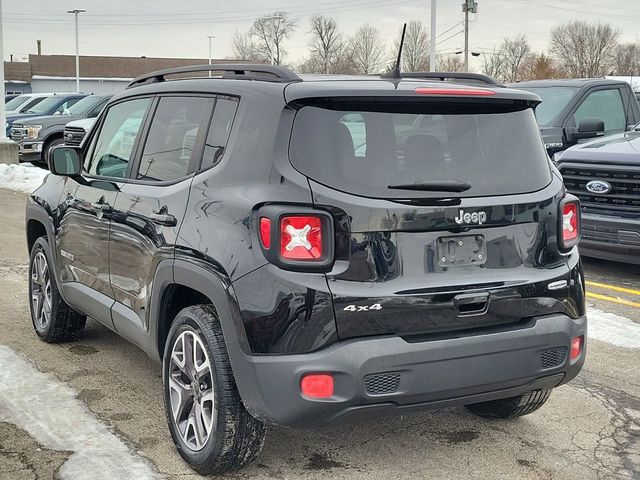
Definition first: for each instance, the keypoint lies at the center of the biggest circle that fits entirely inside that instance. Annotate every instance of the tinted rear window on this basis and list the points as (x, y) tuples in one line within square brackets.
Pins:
[(362, 151)]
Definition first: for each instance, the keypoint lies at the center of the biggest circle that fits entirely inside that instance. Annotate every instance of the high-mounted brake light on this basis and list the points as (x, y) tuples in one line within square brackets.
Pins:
[(464, 92), (301, 238), (570, 223)]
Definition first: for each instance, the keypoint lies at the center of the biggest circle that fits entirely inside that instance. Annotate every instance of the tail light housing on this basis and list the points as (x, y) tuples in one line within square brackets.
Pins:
[(570, 224), (297, 238)]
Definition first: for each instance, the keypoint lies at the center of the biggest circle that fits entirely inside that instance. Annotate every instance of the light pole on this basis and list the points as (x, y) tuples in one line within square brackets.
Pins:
[(432, 61), (210, 37), (76, 12), (273, 19)]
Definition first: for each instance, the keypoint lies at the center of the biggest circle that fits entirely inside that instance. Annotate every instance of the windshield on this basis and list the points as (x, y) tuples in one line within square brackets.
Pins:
[(46, 106), (15, 102), (369, 153), (554, 100), (83, 106)]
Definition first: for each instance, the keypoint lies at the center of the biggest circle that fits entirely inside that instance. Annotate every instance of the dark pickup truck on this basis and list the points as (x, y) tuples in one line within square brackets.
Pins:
[(605, 175), (574, 110)]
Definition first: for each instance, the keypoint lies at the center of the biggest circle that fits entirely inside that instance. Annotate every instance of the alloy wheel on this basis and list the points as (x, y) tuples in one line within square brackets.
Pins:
[(191, 394), (41, 291)]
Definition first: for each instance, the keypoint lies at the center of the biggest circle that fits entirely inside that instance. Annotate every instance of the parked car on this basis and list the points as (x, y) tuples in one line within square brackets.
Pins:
[(10, 96), (52, 105), (24, 102), (75, 132), (36, 136), (605, 175), (574, 110), (234, 229)]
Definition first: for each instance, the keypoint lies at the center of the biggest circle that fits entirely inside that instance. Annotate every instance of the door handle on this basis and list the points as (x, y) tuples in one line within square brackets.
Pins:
[(164, 219)]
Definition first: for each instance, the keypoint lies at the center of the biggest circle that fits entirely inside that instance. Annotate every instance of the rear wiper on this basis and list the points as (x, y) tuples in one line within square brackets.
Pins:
[(455, 186)]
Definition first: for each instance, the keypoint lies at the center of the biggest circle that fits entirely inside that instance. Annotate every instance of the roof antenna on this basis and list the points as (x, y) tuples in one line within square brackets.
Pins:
[(395, 73)]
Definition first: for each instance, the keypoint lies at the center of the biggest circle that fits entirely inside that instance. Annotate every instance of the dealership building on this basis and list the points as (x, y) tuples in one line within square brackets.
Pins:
[(100, 75)]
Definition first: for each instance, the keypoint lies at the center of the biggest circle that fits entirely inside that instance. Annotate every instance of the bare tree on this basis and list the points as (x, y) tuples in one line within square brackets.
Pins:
[(451, 63), (326, 44), (368, 51), (271, 31), (494, 63), (415, 54), (516, 52), (538, 67), (627, 59), (244, 47), (584, 49)]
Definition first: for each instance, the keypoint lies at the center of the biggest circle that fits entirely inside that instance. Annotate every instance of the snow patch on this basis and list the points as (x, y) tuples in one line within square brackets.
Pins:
[(21, 178), (613, 329), (50, 412)]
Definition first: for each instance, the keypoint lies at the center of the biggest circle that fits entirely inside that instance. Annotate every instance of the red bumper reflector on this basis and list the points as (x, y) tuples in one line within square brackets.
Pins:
[(576, 347), (467, 92), (317, 386), (265, 232)]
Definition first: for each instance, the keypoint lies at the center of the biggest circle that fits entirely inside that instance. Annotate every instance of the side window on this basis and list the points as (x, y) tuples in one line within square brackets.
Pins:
[(96, 110), (175, 138), (62, 108), (604, 104), (219, 131), (112, 147)]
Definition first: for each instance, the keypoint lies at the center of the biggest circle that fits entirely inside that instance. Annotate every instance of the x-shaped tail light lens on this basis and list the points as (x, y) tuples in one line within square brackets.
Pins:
[(301, 238)]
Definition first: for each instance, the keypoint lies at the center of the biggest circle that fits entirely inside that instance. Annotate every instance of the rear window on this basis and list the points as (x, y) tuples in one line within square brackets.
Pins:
[(362, 151)]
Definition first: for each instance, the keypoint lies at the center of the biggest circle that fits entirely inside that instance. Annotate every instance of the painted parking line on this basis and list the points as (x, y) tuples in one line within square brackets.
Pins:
[(619, 301), (613, 288), (50, 412)]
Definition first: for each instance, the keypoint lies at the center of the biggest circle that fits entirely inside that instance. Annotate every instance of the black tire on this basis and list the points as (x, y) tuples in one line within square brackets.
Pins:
[(236, 437), (45, 152), (65, 324), (508, 408)]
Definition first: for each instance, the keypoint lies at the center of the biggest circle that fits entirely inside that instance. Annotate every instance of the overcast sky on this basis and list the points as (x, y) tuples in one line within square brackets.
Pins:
[(178, 28)]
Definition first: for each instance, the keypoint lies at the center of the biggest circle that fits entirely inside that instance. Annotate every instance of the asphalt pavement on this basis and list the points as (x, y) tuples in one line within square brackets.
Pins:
[(101, 398)]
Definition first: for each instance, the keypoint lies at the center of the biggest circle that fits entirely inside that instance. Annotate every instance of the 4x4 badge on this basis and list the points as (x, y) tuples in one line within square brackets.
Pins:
[(475, 217)]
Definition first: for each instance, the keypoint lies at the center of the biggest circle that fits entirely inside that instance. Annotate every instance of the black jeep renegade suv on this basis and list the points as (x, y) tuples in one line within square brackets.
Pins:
[(310, 251)]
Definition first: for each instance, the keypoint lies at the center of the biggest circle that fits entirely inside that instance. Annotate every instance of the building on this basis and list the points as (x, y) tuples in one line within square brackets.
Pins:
[(100, 75)]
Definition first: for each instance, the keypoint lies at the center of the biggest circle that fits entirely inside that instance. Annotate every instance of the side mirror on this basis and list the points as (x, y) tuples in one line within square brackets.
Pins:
[(588, 128), (65, 161)]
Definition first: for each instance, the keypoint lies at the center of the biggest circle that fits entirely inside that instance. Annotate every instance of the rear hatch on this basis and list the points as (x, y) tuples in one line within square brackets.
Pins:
[(445, 209)]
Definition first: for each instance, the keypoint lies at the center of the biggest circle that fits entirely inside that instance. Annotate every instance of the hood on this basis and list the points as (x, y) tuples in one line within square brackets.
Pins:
[(622, 148), (49, 120)]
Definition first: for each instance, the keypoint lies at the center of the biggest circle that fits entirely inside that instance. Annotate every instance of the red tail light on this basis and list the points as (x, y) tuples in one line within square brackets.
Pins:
[(265, 232), (569, 223), (317, 386), (301, 238), (296, 238), (576, 347)]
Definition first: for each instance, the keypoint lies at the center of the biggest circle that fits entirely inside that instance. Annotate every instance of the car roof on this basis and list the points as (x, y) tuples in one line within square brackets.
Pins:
[(567, 82)]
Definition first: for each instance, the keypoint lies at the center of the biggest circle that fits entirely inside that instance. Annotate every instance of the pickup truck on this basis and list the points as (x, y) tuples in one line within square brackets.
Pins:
[(36, 136), (574, 110), (605, 175)]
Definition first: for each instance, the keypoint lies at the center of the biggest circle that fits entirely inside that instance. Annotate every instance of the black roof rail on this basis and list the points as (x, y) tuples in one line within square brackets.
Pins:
[(244, 71), (461, 77)]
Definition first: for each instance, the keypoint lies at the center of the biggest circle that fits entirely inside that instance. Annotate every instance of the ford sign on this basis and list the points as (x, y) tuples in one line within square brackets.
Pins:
[(599, 187)]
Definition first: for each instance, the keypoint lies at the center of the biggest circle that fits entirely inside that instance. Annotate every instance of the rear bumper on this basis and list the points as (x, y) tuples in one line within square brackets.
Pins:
[(458, 370), (610, 238)]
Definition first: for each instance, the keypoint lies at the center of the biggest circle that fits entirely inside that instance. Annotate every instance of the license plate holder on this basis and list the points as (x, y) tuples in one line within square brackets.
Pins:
[(462, 250)]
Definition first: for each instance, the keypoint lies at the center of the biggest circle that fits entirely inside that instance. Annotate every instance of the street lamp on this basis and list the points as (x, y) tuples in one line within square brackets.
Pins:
[(273, 19), (76, 12), (210, 37)]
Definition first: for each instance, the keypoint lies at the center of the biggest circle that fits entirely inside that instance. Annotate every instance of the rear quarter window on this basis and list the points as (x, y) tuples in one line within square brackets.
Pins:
[(363, 152)]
